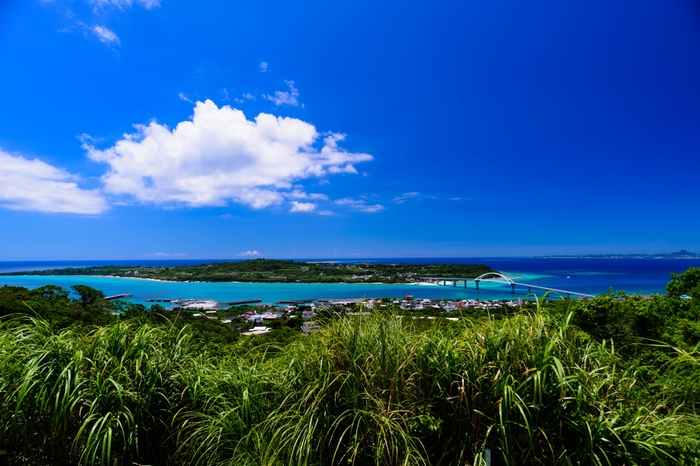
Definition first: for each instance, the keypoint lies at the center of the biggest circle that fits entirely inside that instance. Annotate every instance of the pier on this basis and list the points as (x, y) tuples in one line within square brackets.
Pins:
[(296, 301), (227, 303), (245, 301), (495, 277), (118, 296)]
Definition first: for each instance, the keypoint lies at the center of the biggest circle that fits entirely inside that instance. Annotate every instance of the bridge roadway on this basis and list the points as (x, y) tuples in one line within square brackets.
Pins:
[(500, 278)]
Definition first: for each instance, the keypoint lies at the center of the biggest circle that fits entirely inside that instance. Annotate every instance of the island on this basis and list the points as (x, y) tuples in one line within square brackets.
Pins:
[(682, 254), (279, 271)]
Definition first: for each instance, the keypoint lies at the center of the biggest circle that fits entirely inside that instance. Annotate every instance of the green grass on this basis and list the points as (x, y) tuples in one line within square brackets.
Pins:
[(366, 390)]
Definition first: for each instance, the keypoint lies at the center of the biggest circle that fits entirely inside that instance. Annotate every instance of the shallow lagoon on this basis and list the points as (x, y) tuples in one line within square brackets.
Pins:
[(268, 292), (591, 276)]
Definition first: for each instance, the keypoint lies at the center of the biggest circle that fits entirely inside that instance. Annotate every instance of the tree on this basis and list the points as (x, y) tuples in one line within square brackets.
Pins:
[(686, 283), (91, 299)]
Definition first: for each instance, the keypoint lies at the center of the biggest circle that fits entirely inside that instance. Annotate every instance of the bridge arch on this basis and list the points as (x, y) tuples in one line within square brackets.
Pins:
[(487, 276)]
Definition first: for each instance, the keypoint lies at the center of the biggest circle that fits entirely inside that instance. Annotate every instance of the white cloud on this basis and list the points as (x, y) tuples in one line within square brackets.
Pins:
[(263, 67), (248, 254), (105, 35), (219, 156), (184, 97), (360, 204), (38, 186), (123, 4), (303, 206), (406, 196), (297, 194), (249, 96), (286, 97), (225, 94)]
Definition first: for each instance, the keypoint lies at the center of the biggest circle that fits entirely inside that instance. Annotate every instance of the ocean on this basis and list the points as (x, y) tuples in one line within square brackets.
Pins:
[(590, 276)]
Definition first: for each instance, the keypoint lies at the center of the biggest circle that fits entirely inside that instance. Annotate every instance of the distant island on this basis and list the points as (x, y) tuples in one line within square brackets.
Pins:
[(279, 271), (682, 254)]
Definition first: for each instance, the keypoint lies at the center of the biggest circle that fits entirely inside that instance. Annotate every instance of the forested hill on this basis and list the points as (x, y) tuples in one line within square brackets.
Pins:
[(266, 270)]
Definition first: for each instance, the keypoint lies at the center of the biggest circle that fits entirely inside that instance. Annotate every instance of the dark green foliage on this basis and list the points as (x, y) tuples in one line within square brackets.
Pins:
[(264, 270), (88, 297), (613, 380), (687, 283)]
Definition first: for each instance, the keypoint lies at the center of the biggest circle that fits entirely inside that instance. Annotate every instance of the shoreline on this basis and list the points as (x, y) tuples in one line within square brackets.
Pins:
[(240, 282)]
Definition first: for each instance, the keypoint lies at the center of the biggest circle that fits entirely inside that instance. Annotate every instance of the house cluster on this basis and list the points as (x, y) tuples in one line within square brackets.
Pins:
[(260, 315), (273, 313), (413, 304)]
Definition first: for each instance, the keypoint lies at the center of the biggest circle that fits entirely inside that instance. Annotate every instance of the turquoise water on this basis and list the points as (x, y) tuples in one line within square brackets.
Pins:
[(591, 276), (268, 292)]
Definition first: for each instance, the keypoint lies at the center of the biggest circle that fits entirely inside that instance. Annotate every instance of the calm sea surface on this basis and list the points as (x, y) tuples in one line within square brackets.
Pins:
[(591, 276)]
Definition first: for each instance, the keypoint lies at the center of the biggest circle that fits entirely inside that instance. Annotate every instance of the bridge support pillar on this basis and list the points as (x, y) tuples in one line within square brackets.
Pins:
[(444, 283), (512, 288), (465, 283), (567, 295), (529, 290), (477, 284), (454, 282)]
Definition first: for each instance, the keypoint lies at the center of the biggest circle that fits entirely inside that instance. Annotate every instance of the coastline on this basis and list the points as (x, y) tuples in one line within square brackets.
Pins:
[(591, 276), (222, 282)]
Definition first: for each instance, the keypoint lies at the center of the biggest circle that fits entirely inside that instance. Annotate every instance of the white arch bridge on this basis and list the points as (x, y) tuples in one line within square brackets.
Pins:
[(496, 277)]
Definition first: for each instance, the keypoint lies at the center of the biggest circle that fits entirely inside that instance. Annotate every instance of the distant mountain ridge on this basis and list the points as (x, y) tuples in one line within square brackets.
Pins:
[(682, 254)]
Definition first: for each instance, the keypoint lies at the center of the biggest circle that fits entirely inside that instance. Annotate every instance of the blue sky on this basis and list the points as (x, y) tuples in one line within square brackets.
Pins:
[(212, 129)]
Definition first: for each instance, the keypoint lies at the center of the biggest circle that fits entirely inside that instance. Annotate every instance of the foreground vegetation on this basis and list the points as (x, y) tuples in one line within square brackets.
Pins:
[(265, 270), (610, 381)]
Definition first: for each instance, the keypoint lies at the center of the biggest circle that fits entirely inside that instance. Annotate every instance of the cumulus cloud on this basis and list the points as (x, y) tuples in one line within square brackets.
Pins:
[(36, 185), (360, 204), (285, 97), (303, 206), (263, 67), (105, 35), (219, 156), (248, 254)]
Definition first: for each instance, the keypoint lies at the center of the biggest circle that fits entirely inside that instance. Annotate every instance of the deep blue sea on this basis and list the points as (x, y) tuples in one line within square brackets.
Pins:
[(591, 276)]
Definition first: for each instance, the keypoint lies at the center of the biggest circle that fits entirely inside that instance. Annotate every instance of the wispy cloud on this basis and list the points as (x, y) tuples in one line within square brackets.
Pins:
[(406, 196), (285, 97), (124, 4), (249, 96), (415, 196), (248, 254), (297, 194), (360, 204), (263, 67), (106, 36), (87, 25), (184, 97), (164, 254)]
